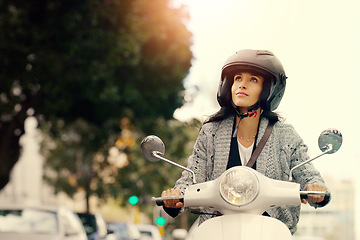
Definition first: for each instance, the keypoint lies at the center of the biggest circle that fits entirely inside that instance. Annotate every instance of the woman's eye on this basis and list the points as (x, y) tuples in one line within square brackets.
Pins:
[(254, 80), (237, 78)]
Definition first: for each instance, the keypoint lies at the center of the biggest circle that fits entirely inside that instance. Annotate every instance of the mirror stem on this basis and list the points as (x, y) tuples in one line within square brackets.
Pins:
[(329, 148), (156, 154)]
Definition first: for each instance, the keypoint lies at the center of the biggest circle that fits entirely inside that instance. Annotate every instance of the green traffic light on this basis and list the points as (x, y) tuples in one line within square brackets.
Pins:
[(160, 221), (133, 200)]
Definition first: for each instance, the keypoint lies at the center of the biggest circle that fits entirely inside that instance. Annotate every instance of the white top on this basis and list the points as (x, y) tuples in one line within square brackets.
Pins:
[(245, 153)]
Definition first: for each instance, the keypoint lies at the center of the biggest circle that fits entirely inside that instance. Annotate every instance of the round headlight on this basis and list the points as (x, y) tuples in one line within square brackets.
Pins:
[(239, 186)]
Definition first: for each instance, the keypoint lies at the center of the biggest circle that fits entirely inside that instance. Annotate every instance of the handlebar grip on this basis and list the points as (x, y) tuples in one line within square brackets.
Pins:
[(159, 202), (327, 197), (304, 195)]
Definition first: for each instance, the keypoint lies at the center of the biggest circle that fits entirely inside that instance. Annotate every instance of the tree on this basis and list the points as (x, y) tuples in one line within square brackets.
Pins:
[(88, 61), (116, 170)]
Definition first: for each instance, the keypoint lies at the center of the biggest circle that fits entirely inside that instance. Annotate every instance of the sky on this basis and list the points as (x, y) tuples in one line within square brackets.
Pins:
[(318, 43)]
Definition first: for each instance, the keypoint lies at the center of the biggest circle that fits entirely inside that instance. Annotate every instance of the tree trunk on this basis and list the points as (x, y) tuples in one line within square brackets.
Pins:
[(87, 192)]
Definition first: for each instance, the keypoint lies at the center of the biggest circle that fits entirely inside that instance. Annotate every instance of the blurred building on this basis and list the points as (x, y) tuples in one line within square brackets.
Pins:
[(336, 221)]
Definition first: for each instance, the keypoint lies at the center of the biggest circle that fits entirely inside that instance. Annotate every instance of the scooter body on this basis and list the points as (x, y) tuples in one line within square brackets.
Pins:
[(242, 227), (242, 219), (241, 195)]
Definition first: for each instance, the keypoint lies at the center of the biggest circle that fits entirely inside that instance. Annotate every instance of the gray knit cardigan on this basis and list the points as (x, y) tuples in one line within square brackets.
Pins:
[(283, 150)]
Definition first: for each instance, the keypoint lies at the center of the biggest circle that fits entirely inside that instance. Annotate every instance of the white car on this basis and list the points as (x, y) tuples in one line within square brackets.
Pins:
[(95, 226), (149, 232), (40, 223), (124, 230)]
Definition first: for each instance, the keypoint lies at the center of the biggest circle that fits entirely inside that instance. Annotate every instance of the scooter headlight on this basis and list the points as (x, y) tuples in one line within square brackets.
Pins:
[(239, 186)]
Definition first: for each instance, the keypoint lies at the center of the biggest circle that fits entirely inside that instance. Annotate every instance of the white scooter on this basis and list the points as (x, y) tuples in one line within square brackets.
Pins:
[(242, 195)]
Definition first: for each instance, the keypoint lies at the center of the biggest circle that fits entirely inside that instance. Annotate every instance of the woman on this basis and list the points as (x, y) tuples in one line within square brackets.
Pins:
[(251, 87)]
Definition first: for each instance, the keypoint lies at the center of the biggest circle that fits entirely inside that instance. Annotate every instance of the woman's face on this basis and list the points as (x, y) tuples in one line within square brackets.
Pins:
[(246, 89)]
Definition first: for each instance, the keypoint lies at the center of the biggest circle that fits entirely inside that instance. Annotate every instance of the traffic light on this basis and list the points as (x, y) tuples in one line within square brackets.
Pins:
[(160, 221), (133, 200), (160, 217)]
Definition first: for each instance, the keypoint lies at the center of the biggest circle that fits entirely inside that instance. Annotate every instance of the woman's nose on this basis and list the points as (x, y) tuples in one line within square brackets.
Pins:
[(242, 85)]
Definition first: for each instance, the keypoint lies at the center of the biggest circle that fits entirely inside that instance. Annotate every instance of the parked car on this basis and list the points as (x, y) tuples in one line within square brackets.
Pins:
[(40, 223), (124, 230), (149, 232), (95, 226), (179, 234)]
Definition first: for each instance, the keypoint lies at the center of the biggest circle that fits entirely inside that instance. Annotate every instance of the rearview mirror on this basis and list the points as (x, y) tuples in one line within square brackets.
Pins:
[(152, 144), (330, 138)]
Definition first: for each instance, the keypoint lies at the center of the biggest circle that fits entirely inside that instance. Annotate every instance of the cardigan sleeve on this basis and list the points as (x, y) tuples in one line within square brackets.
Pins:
[(197, 163), (306, 174)]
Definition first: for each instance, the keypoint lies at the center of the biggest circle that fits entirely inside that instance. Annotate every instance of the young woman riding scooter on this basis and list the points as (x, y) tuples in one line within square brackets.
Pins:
[(251, 87)]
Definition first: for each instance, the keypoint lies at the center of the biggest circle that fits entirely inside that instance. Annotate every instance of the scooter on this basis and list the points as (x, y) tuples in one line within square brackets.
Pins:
[(241, 195)]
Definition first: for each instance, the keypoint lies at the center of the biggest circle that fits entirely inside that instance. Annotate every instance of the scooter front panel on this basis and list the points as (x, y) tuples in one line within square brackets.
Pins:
[(242, 227)]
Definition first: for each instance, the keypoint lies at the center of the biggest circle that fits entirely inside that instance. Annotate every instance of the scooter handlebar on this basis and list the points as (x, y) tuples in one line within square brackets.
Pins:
[(159, 203), (160, 200), (304, 194)]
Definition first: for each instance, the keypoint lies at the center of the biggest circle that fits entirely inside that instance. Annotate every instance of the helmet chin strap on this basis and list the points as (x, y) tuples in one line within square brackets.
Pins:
[(251, 112)]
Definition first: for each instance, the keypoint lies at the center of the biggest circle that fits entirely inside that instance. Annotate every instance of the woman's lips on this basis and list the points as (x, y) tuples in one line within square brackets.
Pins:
[(241, 94)]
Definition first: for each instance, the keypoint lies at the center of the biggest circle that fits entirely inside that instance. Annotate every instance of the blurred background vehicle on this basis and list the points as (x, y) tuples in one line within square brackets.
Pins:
[(179, 234), (149, 232), (40, 223), (95, 226), (124, 230)]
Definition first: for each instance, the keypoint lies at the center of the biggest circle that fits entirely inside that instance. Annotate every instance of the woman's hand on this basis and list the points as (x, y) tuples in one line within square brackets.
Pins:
[(315, 198), (172, 203)]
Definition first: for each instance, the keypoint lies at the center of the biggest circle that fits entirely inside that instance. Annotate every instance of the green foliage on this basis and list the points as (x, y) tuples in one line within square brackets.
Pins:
[(76, 152), (152, 178), (88, 61), (146, 179), (99, 76), (78, 166), (92, 59)]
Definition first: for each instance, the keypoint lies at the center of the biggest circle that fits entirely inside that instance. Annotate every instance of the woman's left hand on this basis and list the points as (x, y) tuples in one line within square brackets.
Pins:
[(315, 198)]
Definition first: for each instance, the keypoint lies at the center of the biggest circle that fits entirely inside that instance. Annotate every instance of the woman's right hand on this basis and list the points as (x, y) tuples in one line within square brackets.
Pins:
[(172, 203)]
